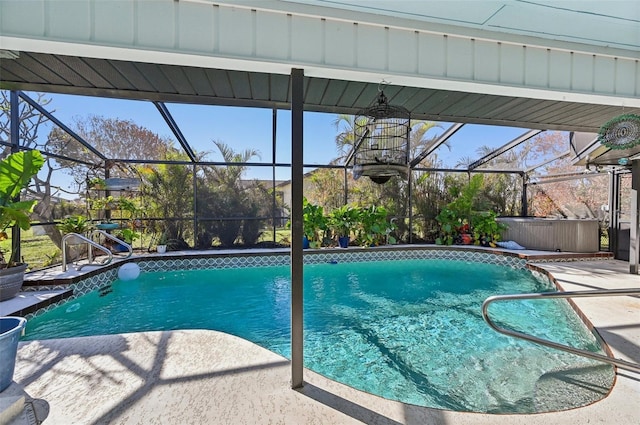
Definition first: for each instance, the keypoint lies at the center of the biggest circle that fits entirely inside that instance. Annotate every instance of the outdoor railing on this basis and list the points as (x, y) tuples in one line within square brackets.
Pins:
[(623, 364)]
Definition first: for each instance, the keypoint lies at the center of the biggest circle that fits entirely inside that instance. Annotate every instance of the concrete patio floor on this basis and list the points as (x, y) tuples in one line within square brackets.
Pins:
[(207, 377)]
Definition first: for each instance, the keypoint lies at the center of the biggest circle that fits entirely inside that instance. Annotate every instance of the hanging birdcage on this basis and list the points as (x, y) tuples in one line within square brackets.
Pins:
[(382, 141)]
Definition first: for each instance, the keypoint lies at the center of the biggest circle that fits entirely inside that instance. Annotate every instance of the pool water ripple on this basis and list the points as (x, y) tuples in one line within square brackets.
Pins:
[(409, 330)]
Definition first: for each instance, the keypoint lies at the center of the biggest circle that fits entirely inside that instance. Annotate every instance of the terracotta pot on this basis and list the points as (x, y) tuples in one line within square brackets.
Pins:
[(466, 238)]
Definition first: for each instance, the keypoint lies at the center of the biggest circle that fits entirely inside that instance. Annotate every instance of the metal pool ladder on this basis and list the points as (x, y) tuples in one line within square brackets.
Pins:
[(623, 364), (78, 239)]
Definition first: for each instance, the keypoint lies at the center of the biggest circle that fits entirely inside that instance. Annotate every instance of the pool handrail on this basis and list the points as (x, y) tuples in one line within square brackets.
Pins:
[(623, 364), (114, 239), (83, 239), (93, 244)]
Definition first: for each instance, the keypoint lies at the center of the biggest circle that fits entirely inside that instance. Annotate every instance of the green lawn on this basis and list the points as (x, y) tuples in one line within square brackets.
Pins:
[(37, 251)]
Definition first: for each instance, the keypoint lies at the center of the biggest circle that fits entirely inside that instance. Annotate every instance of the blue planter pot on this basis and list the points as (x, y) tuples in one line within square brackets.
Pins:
[(121, 248), (107, 226), (305, 242), (10, 332), (343, 241)]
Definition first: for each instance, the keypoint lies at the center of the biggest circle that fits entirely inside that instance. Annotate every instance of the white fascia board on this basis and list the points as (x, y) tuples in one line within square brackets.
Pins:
[(471, 87), (142, 55), (284, 68)]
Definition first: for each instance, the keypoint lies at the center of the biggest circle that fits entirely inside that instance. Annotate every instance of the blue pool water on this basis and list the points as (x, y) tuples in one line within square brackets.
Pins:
[(406, 330)]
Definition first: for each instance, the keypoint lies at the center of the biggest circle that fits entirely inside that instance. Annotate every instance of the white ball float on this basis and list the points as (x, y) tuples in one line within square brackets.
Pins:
[(129, 271)]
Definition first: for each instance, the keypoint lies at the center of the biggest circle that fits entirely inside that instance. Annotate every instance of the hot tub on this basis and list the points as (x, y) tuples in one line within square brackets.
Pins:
[(551, 234)]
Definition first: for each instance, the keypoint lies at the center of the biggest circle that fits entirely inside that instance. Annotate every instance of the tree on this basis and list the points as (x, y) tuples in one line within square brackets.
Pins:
[(326, 187), (167, 193), (224, 198), (429, 196), (113, 137)]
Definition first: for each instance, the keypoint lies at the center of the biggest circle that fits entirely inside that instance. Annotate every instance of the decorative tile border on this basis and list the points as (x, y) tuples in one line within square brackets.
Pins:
[(416, 254), (215, 262), (105, 277)]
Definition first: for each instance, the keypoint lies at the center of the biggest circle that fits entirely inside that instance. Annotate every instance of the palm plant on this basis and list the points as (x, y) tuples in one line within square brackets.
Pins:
[(221, 194), (75, 224), (165, 196)]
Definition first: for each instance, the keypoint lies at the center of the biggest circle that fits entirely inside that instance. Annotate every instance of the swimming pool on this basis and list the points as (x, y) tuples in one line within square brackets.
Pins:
[(409, 330)]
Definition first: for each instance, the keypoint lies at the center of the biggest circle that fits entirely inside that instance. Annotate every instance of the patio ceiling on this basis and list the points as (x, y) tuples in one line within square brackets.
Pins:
[(187, 84)]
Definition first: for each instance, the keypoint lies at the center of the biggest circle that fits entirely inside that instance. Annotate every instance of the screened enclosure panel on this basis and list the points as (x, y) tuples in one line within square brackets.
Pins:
[(424, 135), (243, 130), (539, 149), (283, 137), (559, 168), (126, 122), (323, 137), (576, 198), (473, 141), (66, 159)]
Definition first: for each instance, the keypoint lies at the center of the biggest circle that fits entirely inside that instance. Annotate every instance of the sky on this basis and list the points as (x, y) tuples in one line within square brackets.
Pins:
[(250, 128)]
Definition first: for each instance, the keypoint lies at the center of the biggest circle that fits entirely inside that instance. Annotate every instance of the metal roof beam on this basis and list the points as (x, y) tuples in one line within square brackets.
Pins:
[(435, 145), (567, 178), (542, 164), (462, 170), (567, 174), (60, 124), (162, 108), (512, 144)]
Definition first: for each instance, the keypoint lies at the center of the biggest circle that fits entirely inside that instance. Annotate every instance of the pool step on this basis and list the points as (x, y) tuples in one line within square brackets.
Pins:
[(30, 301)]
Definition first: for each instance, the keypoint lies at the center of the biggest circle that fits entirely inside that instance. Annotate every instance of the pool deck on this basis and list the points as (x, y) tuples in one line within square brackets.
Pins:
[(207, 377)]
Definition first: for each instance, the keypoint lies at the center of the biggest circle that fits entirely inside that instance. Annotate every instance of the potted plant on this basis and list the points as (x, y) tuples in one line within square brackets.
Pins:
[(16, 171), (454, 218), (342, 222), (449, 223), (162, 243), (107, 224), (465, 236), (75, 224), (126, 204), (314, 221), (126, 235), (374, 227), (486, 229), (106, 203)]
